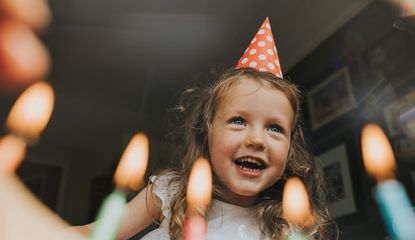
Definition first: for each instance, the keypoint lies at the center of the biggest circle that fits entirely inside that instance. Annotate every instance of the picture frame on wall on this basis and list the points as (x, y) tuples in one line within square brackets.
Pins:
[(331, 98), (400, 115), (336, 171), (390, 59)]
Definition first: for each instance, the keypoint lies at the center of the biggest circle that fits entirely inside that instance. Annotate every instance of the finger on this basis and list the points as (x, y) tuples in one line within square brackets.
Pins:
[(34, 13), (23, 58)]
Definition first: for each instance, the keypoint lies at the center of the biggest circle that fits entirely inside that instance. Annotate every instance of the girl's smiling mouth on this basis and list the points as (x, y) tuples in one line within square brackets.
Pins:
[(250, 165)]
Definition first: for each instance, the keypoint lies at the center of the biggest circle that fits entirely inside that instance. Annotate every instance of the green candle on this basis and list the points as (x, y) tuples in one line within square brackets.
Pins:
[(128, 175), (110, 216)]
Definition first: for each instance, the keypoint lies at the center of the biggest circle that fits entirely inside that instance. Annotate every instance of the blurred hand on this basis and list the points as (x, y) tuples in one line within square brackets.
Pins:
[(23, 58)]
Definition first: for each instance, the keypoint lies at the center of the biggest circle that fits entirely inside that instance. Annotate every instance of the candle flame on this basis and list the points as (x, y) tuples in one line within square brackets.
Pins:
[(12, 152), (199, 189), (407, 7), (133, 164), (295, 203), (377, 153), (32, 111)]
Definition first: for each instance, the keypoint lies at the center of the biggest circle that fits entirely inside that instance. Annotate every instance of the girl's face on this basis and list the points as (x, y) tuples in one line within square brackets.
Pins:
[(249, 140)]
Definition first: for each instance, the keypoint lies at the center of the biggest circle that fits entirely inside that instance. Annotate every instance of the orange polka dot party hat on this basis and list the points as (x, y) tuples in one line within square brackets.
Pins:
[(262, 54)]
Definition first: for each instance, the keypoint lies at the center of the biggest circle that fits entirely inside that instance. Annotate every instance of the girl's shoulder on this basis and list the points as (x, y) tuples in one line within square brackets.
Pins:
[(165, 179), (166, 186)]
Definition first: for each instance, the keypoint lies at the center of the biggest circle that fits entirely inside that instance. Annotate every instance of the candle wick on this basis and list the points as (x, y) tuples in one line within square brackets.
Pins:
[(385, 176)]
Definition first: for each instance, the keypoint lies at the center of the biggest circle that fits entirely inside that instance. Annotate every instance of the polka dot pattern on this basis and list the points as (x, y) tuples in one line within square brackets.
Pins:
[(262, 54), (253, 64)]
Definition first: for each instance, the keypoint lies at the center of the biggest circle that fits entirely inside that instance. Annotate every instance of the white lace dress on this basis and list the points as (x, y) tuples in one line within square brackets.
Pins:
[(225, 221)]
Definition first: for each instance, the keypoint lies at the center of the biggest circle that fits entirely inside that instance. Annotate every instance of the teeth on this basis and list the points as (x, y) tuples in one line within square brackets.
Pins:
[(249, 169), (251, 160)]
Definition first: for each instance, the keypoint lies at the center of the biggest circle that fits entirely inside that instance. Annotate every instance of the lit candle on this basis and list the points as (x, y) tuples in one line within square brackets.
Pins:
[(31, 112), (22, 215), (296, 207), (390, 194), (408, 8), (26, 120), (198, 196), (128, 175)]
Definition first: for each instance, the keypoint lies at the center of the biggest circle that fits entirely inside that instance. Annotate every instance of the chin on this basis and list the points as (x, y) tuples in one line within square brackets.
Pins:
[(247, 192)]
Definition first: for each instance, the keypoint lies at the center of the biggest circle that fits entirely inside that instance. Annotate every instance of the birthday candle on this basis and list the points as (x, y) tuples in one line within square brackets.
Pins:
[(408, 8), (22, 215), (26, 120), (198, 196), (296, 208), (390, 194), (31, 112), (128, 175)]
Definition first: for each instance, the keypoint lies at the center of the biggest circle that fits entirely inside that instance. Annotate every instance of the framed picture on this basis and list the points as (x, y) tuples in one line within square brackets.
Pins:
[(339, 185), (400, 115), (391, 59), (330, 98)]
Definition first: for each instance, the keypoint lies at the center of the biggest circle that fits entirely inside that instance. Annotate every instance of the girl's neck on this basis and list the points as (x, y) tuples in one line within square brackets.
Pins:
[(232, 198)]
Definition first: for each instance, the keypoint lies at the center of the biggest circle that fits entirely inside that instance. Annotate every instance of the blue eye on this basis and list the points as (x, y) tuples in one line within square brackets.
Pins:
[(275, 128), (237, 121)]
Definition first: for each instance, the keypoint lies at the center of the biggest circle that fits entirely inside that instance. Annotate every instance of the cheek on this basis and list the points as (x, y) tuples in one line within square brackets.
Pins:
[(280, 156), (218, 150), (222, 142)]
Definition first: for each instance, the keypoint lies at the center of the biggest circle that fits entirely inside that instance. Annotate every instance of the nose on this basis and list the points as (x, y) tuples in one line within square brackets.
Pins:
[(255, 139)]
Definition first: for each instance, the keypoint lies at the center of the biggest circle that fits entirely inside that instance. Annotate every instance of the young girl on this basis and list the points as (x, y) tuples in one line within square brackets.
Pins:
[(247, 124)]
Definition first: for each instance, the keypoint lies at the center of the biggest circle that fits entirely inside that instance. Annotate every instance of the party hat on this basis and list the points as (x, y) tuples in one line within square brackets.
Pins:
[(262, 54)]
